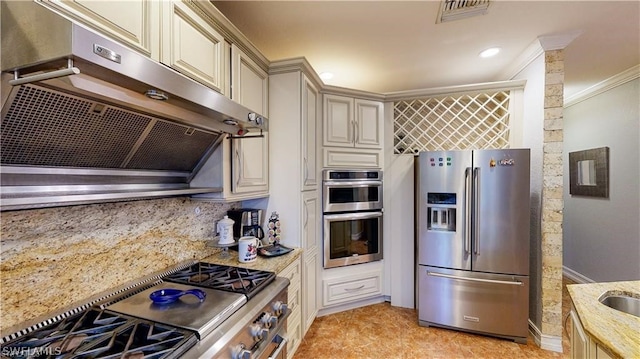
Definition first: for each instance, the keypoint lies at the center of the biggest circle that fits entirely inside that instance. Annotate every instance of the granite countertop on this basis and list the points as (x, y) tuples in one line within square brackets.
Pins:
[(272, 264), (614, 329)]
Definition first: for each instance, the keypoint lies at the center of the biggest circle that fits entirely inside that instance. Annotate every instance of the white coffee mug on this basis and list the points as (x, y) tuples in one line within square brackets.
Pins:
[(247, 249)]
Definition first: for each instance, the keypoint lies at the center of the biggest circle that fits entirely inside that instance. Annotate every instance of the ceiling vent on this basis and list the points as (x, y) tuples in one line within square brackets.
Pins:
[(451, 10)]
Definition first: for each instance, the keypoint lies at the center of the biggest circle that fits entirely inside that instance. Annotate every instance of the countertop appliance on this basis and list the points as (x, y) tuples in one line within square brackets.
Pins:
[(352, 215), (472, 233), (243, 315), (247, 222), (106, 123)]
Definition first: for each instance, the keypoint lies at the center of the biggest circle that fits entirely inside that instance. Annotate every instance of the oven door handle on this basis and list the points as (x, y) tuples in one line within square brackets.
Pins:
[(353, 215), (353, 184), (283, 344)]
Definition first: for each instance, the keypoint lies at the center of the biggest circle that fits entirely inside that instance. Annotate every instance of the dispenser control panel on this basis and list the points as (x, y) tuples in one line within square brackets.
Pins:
[(441, 211)]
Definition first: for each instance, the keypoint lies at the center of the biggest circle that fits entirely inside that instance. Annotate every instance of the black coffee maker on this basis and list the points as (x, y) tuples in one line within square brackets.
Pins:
[(247, 222)]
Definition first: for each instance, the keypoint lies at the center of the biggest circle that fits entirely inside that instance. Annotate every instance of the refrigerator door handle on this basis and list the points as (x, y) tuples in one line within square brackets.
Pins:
[(436, 274), (476, 210), (466, 231)]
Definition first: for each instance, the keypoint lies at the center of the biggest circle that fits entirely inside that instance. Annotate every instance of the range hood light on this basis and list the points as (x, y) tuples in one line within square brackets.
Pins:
[(230, 122), (156, 95)]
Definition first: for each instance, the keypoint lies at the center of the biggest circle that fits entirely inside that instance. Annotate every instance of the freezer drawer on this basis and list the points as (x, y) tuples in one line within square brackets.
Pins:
[(479, 302)]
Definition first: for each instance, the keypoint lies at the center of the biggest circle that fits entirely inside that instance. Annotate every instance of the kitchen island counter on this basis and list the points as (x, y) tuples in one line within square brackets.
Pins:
[(273, 264), (614, 329)]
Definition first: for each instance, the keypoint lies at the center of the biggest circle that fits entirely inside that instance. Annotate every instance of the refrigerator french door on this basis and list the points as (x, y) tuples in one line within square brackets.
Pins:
[(472, 233)]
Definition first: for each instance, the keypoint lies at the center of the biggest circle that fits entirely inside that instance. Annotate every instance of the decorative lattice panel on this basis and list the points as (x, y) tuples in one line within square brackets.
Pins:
[(455, 122)]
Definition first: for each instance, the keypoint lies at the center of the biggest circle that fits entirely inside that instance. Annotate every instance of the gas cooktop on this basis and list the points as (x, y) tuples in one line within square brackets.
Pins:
[(127, 323), (101, 333), (231, 279)]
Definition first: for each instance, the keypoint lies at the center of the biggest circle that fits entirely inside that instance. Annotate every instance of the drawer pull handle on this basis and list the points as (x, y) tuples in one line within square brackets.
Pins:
[(354, 289)]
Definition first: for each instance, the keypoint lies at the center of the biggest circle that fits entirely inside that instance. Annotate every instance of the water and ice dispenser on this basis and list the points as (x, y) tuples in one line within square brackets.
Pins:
[(441, 211)]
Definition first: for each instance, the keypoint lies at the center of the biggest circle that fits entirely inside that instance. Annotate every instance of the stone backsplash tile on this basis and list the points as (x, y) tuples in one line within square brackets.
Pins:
[(55, 257)]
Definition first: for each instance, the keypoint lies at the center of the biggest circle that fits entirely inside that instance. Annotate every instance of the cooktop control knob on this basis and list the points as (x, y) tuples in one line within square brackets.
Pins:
[(257, 332), (269, 320), (279, 308), (240, 352)]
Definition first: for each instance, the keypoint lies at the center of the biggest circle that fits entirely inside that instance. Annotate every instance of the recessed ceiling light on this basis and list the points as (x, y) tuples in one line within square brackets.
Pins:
[(326, 76), (493, 51)]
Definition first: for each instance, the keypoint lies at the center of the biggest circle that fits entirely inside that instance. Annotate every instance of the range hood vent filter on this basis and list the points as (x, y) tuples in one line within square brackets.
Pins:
[(75, 132), (66, 132)]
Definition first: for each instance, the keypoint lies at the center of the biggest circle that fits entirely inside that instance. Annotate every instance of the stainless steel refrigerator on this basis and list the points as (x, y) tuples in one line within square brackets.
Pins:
[(472, 234)]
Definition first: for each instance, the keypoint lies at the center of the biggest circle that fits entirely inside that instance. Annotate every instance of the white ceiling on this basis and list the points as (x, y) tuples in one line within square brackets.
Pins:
[(388, 46)]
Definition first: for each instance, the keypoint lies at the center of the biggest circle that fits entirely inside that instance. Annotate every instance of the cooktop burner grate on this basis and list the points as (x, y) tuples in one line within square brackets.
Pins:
[(97, 333), (231, 279)]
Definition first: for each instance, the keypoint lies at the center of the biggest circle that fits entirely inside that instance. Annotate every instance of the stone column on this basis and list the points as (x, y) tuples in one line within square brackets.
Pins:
[(552, 202)]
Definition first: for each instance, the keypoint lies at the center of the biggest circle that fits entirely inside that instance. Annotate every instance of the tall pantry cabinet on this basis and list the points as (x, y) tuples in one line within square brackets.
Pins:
[(294, 104)]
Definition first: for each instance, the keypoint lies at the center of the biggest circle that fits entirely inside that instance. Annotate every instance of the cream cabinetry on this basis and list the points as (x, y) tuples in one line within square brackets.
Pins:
[(133, 23), (250, 155), (294, 108), (339, 289), (584, 346), (352, 132), (310, 111), (191, 46), (246, 159), (350, 122), (294, 322)]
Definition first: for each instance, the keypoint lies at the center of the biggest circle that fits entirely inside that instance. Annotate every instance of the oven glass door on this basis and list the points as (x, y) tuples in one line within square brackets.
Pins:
[(352, 238), (352, 196)]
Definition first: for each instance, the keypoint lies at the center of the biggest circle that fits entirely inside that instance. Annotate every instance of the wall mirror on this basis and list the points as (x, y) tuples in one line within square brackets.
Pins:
[(589, 172)]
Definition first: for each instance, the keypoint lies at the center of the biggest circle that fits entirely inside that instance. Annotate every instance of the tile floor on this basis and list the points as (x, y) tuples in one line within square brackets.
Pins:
[(382, 331)]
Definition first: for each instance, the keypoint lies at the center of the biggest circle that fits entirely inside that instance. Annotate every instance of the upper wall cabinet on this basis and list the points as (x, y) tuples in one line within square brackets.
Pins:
[(350, 122), (250, 162), (310, 104), (192, 46), (134, 23)]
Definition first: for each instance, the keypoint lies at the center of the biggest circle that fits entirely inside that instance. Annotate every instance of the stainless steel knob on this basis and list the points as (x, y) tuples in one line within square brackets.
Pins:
[(240, 352), (268, 320), (279, 308), (256, 332)]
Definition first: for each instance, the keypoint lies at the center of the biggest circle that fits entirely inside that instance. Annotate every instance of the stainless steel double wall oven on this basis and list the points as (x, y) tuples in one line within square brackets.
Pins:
[(352, 216)]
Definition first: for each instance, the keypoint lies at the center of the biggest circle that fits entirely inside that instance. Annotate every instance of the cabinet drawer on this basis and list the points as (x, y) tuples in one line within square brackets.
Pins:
[(340, 290), (294, 332), (294, 298), (292, 273), (337, 157)]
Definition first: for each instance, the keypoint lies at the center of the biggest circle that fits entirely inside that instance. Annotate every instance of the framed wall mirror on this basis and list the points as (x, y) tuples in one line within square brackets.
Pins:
[(589, 172)]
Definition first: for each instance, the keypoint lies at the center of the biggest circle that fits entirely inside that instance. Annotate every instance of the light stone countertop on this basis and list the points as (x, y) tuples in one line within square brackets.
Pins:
[(617, 331), (272, 264)]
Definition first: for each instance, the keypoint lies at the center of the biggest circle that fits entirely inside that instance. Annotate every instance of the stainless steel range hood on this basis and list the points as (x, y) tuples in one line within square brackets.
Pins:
[(86, 120)]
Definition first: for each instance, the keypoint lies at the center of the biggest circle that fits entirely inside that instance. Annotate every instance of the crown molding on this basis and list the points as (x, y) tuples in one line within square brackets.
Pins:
[(604, 86), (532, 52), (438, 91), (558, 41), (296, 64)]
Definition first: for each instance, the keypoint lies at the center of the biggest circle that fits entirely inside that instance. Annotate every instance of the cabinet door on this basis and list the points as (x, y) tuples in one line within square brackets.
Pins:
[(249, 83), (338, 121), (133, 23), (191, 46), (310, 292), (368, 124), (250, 163), (309, 122), (310, 221), (579, 340)]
